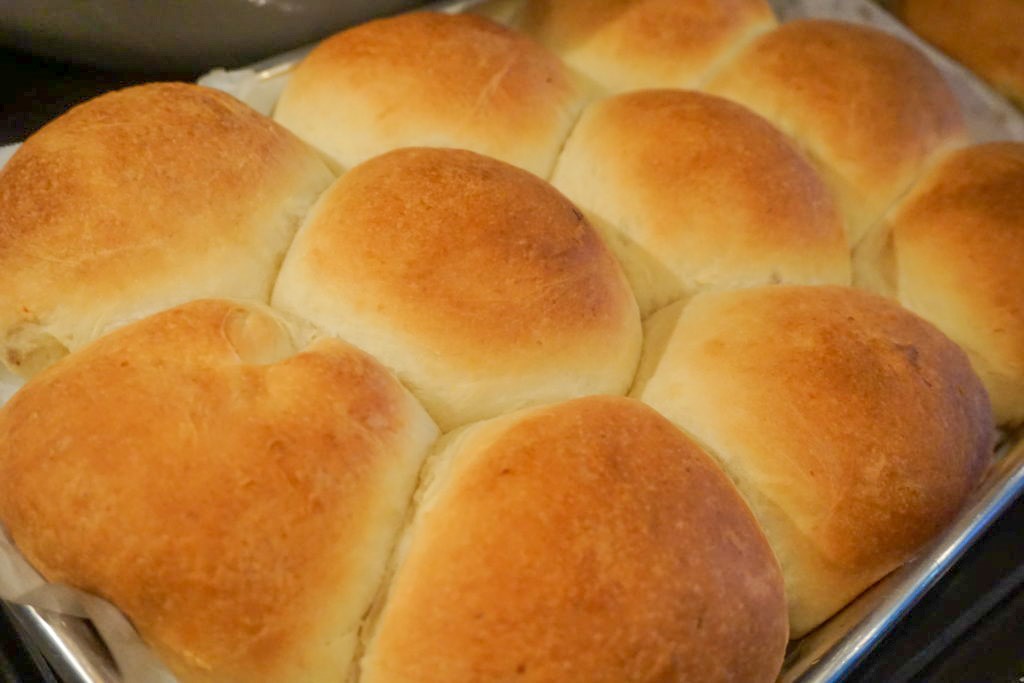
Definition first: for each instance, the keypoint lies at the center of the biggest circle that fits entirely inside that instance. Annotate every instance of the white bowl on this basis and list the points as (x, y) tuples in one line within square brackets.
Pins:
[(177, 36)]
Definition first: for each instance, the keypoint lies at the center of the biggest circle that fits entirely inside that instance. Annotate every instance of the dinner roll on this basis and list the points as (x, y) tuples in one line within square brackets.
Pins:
[(622, 45), (480, 285), (953, 252), (694, 192), (588, 541), (233, 491), (986, 35), (436, 80), (870, 109), (854, 429), (139, 200)]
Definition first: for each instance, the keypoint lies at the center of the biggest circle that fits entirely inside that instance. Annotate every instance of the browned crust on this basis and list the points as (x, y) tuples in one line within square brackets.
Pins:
[(453, 243), (462, 272), (432, 79), (959, 249), (711, 191), (629, 44), (586, 541), (986, 35), (135, 196), (212, 485), (866, 105), (855, 429)]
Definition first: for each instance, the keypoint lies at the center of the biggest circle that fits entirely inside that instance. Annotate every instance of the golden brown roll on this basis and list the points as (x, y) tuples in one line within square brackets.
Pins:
[(436, 80), (233, 491), (139, 200), (479, 284), (868, 108), (695, 192), (589, 541), (854, 429), (953, 252), (622, 45), (986, 35)]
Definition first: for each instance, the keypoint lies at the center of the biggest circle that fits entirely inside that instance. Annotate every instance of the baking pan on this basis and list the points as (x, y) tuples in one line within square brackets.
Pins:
[(78, 654)]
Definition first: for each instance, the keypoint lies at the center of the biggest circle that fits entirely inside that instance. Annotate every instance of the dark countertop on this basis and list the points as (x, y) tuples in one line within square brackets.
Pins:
[(970, 628)]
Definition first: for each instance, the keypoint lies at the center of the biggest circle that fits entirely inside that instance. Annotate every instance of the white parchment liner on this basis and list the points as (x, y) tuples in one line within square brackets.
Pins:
[(989, 117)]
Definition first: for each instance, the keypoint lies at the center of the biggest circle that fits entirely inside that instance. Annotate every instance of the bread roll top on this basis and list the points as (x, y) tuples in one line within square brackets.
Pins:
[(479, 284), (953, 252), (139, 200), (854, 428), (584, 541), (870, 109), (622, 45), (985, 35), (436, 80), (695, 192), (233, 491)]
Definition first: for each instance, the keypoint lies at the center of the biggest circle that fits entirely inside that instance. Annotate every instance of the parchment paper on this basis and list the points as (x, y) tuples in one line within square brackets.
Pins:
[(7, 151)]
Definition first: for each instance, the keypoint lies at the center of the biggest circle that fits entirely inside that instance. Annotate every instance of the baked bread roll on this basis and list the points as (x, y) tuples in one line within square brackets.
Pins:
[(868, 108), (232, 490), (695, 192), (953, 252), (986, 35), (588, 541), (854, 429), (479, 284), (621, 45), (437, 80), (137, 201)]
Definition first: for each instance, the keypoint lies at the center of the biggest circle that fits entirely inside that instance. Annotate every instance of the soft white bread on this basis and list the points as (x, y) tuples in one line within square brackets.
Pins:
[(695, 192), (854, 429), (986, 35), (436, 80), (139, 200), (869, 109), (478, 283), (621, 45), (953, 252), (584, 542), (234, 494)]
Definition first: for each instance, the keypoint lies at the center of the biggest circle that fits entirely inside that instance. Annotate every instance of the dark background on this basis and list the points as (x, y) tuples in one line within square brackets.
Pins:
[(969, 629)]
